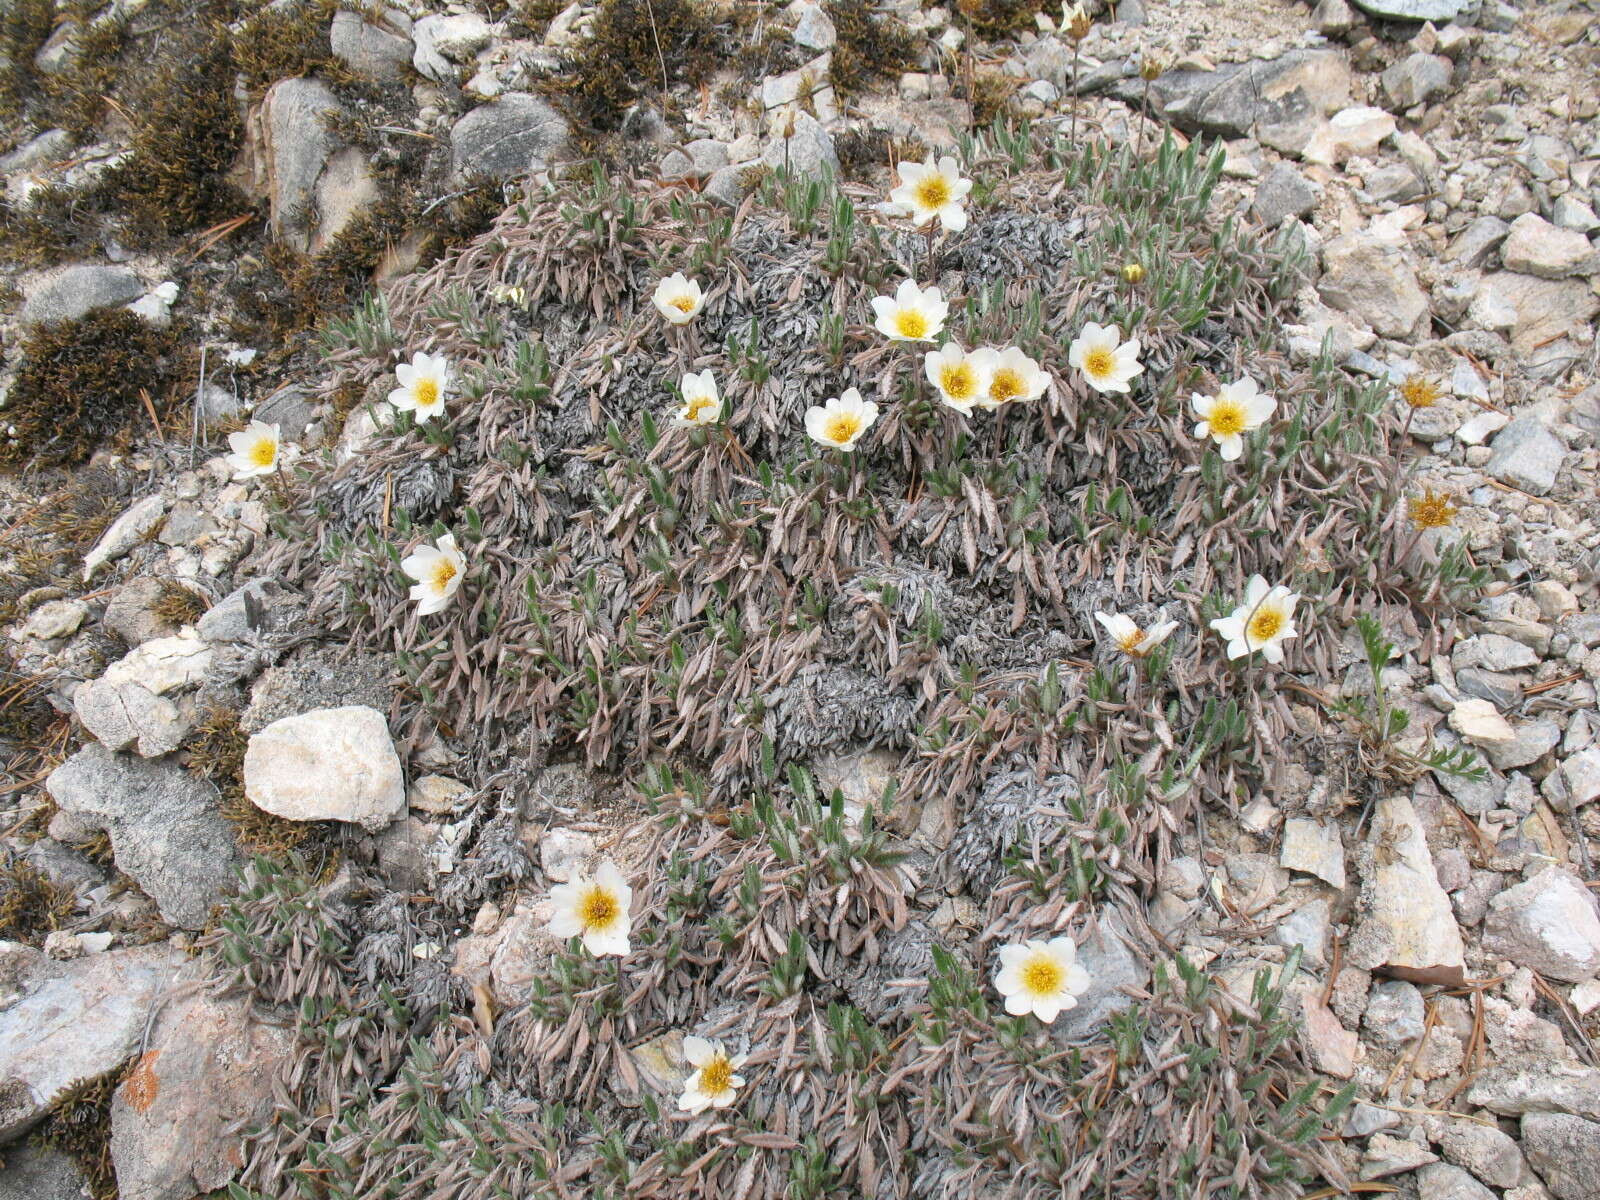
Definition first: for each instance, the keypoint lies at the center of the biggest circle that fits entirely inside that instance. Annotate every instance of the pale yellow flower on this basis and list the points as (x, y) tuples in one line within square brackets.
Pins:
[(678, 298), (1263, 622), (715, 1082), (438, 571), (1107, 362), (912, 314), (1042, 978), (594, 909), (934, 189), (255, 450), (840, 422)]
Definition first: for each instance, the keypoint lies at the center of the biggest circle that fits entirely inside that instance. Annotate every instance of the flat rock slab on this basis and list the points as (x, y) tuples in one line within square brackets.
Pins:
[(1407, 927), (1558, 1087), (1550, 924), (208, 1065), (508, 137), (1112, 964), (165, 827), (330, 764), (80, 290), (74, 1021)]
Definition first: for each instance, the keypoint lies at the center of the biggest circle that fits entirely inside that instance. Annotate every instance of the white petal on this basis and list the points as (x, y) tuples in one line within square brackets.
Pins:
[(1231, 446)]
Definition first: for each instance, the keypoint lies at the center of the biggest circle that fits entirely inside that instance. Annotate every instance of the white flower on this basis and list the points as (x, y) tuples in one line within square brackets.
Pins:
[(1042, 978), (1012, 376), (1107, 362), (701, 404), (841, 421), (933, 189), (678, 299), (912, 314), (255, 450), (1130, 638), (714, 1083), (595, 909), (1236, 409), (424, 383), (956, 375), (438, 571), (1263, 622)]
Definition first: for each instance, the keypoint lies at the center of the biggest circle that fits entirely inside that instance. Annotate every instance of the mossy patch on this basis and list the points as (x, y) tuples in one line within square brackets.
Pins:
[(24, 27), (281, 42), (79, 1125), (215, 751), (870, 46), (638, 49), (999, 18), (31, 906), (80, 383), (52, 227), (178, 605), (187, 133)]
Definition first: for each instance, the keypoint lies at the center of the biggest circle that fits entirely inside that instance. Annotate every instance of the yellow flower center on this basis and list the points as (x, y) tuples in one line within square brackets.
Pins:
[(1226, 418), (682, 303), (1431, 510), (427, 393), (693, 408), (1006, 385), (910, 323), (933, 191), (1420, 392), (597, 909), (1264, 626), (1131, 643), (1099, 363), (264, 453), (716, 1076), (443, 572), (958, 382), (841, 427), (1042, 976)]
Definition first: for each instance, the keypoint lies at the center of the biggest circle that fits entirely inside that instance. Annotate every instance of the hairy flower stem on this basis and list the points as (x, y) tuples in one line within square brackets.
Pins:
[(1399, 455), (1075, 96), (1144, 115), (933, 262)]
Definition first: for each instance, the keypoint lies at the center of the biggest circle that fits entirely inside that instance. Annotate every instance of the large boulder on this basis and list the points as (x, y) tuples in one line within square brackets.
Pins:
[(509, 137), (314, 184), (166, 831), (330, 764), (1280, 101), (205, 1074), (80, 290), (70, 1021)]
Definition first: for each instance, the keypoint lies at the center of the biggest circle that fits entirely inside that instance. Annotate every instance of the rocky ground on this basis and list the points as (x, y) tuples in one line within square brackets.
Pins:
[(1432, 169)]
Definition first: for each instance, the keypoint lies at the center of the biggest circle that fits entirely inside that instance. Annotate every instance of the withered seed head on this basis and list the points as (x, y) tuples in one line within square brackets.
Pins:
[(1431, 510)]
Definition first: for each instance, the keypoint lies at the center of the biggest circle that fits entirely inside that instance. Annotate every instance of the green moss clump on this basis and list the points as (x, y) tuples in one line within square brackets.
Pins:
[(79, 1125), (178, 605), (999, 18), (636, 49), (50, 228), (870, 47), (284, 41), (187, 135), (80, 381), (77, 96)]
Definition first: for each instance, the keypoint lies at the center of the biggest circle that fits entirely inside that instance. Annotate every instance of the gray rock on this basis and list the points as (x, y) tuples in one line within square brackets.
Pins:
[(1497, 688), (1358, 130), (1364, 1120), (508, 137), (1550, 923), (404, 853), (1333, 18), (290, 407), (1283, 193), (1536, 247), (130, 611), (814, 30), (1474, 244), (166, 832), (318, 677), (34, 1173), (1532, 741), (727, 185), (1571, 213), (1306, 927), (71, 1021), (1394, 1015), (1513, 1090), (1386, 1155), (1486, 1151), (1407, 925), (186, 524), (1313, 847), (1526, 455), (1541, 309), (52, 145), (1278, 101), (1416, 79), (1441, 1181), (367, 49), (121, 715), (806, 153), (1565, 1150), (1112, 964), (207, 1068), (78, 291), (1580, 778), (1395, 183), (1371, 279), (331, 764), (315, 185), (1437, 11), (442, 42), (261, 606)]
